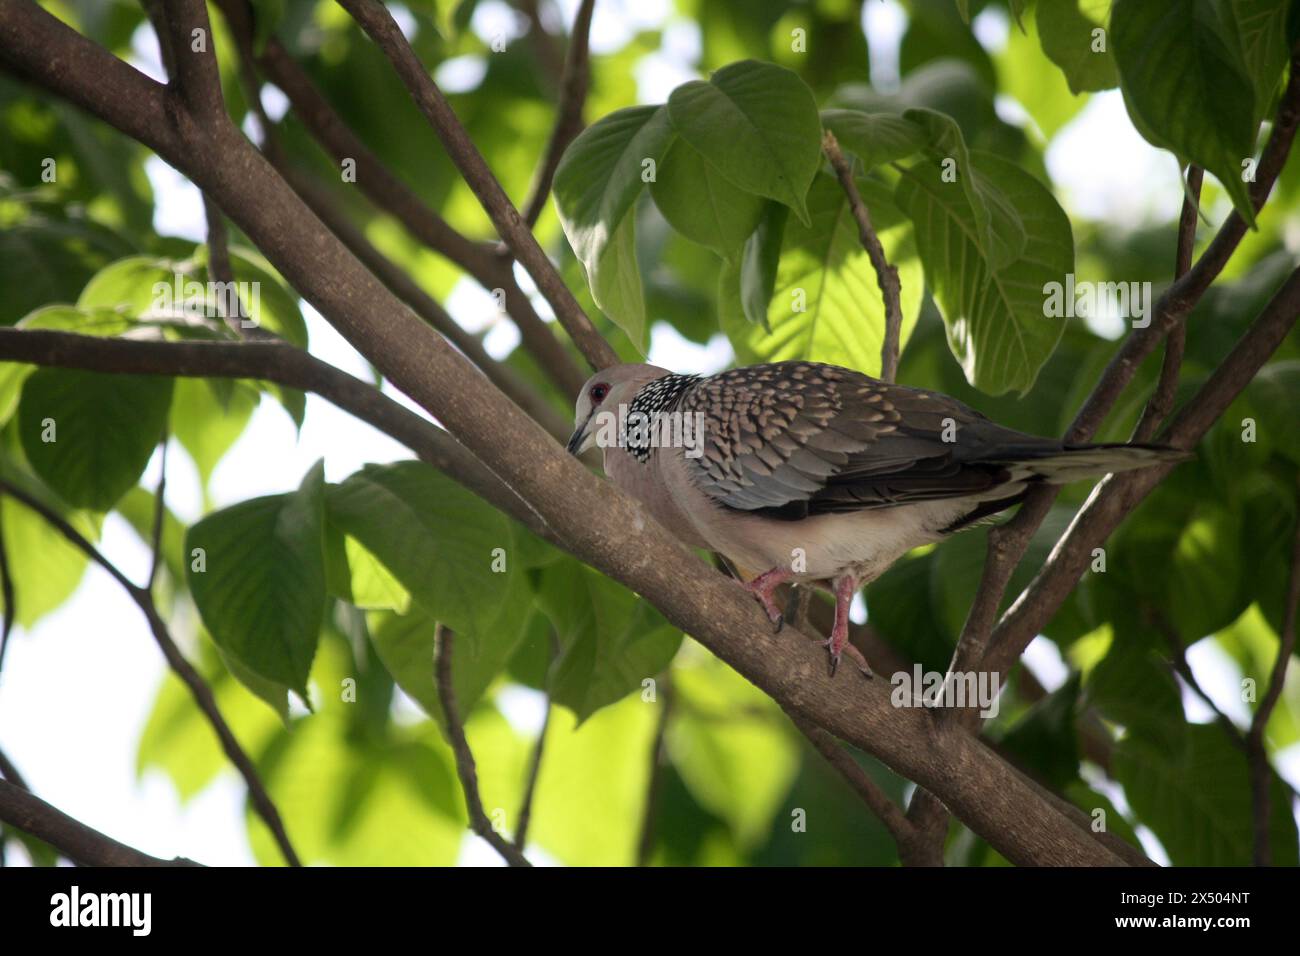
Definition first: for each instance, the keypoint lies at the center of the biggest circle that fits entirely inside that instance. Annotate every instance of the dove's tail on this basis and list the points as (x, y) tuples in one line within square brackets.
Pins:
[(1061, 464)]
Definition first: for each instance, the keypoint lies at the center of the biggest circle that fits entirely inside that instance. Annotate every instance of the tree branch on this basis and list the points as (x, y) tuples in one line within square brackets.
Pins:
[(196, 80), (886, 274), (1260, 771), (568, 114), (465, 769), (73, 839), (390, 194), (1162, 399), (202, 694), (587, 514), (380, 26), (283, 364), (1114, 498)]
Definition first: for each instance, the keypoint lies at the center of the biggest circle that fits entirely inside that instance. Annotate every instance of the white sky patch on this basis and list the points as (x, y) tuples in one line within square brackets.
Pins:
[(1105, 170), (145, 54), (461, 74), (991, 27), (884, 22), (493, 19), (178, 210), (671, 350), (1043, 659), (404, 18)]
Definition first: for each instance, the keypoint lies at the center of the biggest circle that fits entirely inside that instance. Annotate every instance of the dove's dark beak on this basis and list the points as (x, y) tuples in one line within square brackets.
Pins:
[(576, 440)]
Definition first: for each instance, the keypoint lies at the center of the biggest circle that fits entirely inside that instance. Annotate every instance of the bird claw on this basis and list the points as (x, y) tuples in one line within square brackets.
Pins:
[(845, 647)]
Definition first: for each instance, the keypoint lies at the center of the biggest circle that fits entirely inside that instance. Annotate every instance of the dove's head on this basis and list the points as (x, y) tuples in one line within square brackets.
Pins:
[(603, 394)]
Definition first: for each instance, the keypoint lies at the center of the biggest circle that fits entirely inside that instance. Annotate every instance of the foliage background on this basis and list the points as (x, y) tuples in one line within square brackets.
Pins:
[(81, 701)]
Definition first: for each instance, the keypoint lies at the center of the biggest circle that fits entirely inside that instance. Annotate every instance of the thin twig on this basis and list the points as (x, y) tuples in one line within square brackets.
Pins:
[(645, 843), (21, 809), (376, 20), (843, 763), (184, 670), (1162, 399), (534, 772), (568, 115), (1256, 753), (283, 364), (886, 274), (390, 194), (478, 820)]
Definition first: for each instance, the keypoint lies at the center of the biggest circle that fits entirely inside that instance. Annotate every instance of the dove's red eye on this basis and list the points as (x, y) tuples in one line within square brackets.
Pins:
[(598, 392)]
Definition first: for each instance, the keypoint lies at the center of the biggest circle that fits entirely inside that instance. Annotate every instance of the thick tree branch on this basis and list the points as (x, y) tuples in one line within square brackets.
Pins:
[(478, 820), (197, 80), (73, 839), (379, 24), (886, 274), (1261, 773), (568, 115), (590, 516), (200, 691)]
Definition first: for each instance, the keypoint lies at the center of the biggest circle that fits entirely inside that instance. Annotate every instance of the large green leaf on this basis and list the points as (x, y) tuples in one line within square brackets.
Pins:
[(89, 435), (596, 186), (761, 262), (702, 204), (207, 418), (260, 585), (994, 314), (758, 124), (610, 639), (1185, 85), (1197, 800), (824, 269), (1066, 28), (875, 138), (732, 747), (440, 542)]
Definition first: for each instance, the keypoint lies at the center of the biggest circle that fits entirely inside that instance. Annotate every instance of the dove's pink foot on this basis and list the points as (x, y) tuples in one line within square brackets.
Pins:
[(838, 643), (764, 586)]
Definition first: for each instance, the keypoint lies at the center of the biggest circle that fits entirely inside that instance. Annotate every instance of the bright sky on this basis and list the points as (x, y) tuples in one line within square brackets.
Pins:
[(77, 689)]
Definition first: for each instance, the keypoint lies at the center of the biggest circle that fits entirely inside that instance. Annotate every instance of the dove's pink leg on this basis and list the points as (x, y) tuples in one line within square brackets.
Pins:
[(845, 587), (763, 586)]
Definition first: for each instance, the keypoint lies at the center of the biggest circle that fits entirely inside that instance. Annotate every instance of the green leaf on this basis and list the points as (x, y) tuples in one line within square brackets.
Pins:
[(260, 586), (596, 186), (1197, 800), (758, 124), (995, 315), (701, 204), (827, 305), (438, 540), (760, 263), (1185, 86), (998, 227), (1133, 686), (610, 639), (1065, 28), (732, 748), (44, 566), (1262, 33), (875, 138), (90, 435), (207, 418), (1045, 741)]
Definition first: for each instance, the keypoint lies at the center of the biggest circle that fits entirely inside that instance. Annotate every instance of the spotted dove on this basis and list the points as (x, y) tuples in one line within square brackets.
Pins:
[(815, 474)]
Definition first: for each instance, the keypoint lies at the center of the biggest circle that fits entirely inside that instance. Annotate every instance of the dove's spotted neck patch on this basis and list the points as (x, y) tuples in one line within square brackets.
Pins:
[(652, 401)]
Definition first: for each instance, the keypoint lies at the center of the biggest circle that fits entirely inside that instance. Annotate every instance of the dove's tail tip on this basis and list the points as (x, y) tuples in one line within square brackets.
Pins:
[(1077, 462)]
